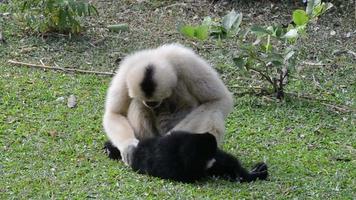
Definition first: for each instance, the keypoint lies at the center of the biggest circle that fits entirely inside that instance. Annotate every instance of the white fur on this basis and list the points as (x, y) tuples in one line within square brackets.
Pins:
[(182, 77)]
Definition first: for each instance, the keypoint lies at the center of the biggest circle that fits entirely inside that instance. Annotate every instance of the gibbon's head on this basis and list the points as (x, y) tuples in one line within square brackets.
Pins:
[(151, 83)]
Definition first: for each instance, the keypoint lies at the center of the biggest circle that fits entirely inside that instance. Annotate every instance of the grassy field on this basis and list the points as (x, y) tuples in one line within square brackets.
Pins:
[(49, 150)]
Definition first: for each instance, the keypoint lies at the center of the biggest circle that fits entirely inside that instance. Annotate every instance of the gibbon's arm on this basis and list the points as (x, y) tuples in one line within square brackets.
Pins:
[(215, 100), (115, 122)]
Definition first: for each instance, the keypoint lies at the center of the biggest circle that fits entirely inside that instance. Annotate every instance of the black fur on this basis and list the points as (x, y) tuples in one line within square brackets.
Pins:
[(227, 166), (179, 156), (112, 151), (148, 85), (183, 156)]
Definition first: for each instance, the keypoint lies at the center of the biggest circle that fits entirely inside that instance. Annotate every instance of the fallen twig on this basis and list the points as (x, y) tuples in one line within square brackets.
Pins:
[(314, 64), (247, 87), (60, 68), (340, 108), (268, 98)]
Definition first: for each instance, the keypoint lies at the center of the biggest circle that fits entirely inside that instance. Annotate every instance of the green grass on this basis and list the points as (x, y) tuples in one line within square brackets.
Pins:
[(307, 147), (51, 151)]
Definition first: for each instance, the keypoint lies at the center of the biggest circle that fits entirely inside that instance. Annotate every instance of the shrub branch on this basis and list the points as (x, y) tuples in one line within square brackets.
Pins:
[(59, 68)]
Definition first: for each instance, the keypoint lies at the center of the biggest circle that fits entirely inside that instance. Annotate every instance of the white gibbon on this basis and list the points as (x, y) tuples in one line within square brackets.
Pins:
[(158, 91)]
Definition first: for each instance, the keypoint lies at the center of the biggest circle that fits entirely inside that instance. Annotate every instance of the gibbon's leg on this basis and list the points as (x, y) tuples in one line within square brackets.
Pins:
[(216, 104), (116, 125), (229, 167), (140, 119), (260, 171), (204, 119), (120, 134)]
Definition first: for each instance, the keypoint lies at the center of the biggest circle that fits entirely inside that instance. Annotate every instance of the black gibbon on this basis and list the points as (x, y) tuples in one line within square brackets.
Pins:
[(187, 157)]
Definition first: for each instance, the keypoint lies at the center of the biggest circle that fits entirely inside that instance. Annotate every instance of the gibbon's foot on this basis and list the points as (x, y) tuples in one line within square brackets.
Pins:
[(128, 154), (112, 151), (260, 171)]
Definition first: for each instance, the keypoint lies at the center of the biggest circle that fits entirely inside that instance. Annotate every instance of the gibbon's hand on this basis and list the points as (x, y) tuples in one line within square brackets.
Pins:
[(127, 154)]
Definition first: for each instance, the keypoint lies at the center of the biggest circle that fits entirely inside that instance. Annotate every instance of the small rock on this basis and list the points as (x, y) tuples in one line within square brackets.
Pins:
[(11, 119), (72, 101), (311, 147), (348, 35), (53, 133), (332, 32), (60, 99), (288, 129)]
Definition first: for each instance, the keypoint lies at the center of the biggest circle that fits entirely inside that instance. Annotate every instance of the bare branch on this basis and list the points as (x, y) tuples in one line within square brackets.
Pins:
[(262, 74), (60, 68), (340, 108), (314, 64)]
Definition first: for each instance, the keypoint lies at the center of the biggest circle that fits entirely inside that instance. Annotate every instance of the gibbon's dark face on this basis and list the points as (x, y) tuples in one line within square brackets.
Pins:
[(148, 85), (156, 85), (151, 82)]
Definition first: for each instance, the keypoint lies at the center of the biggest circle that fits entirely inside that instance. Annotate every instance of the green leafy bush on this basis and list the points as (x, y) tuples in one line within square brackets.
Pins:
[(270, 55), (52, 15), (268, 51)]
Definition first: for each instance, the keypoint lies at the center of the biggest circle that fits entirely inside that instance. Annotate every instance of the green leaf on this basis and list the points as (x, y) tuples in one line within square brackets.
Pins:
[(60, 20), (92, 9), (218, 32), (317, 10), (267, 47), (239, 62), (232, 20), (24, 6), (202, 32), (328, 6), (229, 19), (292, 33), (310, 6), (276, 63), (86, 9), (80, 9), (321, 9), (300, 17), (188, 31), (288, 55), (258, 30), (236, 26), (278, 32), (199, 32), (275, 57)]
